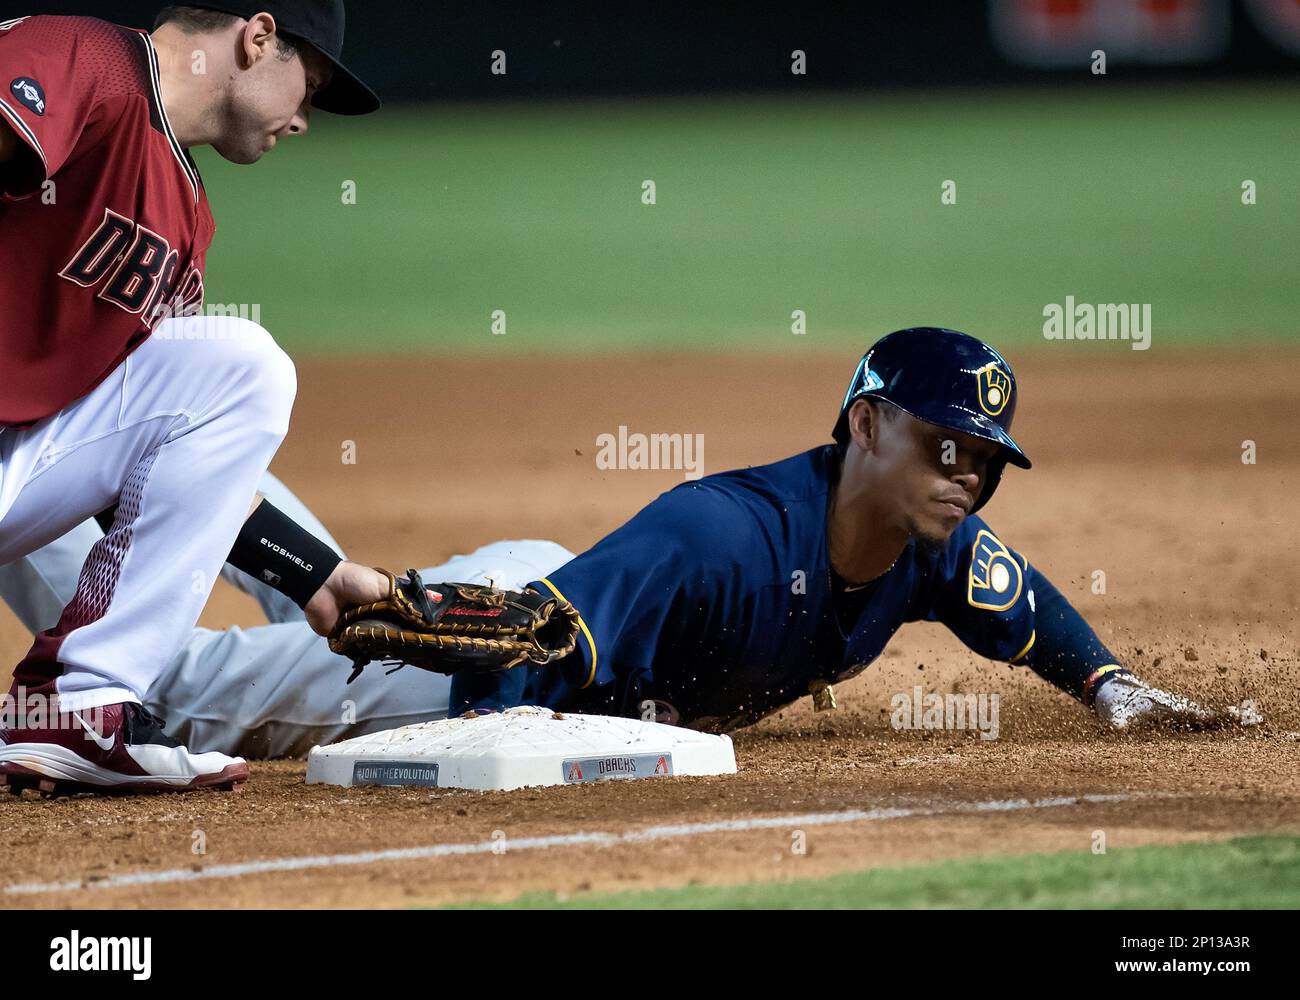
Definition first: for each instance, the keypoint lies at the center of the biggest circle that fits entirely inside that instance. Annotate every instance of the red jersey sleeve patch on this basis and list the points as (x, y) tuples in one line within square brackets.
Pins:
[(44, 98)]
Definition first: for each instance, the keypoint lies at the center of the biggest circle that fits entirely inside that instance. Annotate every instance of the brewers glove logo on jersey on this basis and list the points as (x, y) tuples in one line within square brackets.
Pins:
[(995, 579)]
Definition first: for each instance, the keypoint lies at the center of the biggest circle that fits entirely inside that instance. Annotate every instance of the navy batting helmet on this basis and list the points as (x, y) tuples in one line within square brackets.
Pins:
[(945, 378)]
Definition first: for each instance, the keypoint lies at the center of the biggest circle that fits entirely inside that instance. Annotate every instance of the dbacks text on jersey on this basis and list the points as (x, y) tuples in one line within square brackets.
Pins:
[(136, 268)]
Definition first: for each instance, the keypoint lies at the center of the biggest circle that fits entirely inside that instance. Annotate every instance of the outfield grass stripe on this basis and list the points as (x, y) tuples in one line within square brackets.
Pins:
[(597, 839), (1246, 872), (764, 206)]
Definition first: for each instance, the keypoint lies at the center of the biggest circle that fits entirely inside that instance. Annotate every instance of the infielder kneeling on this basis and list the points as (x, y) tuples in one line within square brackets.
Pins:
[(724, 600)]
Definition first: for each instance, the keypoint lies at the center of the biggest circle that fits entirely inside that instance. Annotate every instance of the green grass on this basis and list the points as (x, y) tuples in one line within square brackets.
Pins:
[(1245, 873), (830, 205)]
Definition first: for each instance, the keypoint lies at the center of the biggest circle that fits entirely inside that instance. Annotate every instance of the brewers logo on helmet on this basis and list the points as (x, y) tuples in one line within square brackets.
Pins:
[(994, 389)]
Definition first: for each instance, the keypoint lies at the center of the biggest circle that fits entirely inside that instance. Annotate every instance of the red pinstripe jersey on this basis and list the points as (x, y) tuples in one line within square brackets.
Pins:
[(103, 230)]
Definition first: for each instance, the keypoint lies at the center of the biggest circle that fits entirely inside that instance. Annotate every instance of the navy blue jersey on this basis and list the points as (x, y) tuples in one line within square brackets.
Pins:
[(717, 598)]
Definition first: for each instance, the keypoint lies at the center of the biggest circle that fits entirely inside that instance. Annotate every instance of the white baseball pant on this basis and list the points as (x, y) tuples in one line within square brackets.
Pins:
[(275, 690), (178, 436)]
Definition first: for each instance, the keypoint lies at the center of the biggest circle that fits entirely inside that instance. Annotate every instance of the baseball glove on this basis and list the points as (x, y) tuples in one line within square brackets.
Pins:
[(450, 627)]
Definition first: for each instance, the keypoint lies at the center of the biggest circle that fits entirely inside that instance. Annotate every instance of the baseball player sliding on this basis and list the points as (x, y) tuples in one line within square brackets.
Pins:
[(119, 397), (723, 600)]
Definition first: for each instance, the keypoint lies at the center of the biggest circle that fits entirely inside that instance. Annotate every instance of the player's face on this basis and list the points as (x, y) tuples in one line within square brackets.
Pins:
[(269, 100), (937, 476)]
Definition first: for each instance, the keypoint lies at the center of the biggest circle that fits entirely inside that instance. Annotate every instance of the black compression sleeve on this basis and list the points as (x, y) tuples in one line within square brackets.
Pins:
[(275, 550)]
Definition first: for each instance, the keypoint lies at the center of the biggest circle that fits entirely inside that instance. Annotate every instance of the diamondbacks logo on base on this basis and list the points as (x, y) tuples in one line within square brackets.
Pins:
[(994, 389), (995, 579), (645, 765), (29, 94)]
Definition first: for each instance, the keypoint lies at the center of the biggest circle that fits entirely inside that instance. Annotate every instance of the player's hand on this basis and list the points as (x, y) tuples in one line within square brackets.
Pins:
[(349, 585), (451, 628), (1125, 702)]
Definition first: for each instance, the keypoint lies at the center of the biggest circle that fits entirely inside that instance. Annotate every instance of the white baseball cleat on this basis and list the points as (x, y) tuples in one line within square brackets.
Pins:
[(1123, 702)]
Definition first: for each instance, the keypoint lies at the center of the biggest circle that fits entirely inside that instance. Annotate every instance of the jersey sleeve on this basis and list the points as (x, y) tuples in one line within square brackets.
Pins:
[(979, 588), (640, 583), (637, 591), (1066, 651), (1005, 609), (46, 99)]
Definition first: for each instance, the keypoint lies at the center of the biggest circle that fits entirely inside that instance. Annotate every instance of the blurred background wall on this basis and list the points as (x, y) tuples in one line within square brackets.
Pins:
[(414, 50)]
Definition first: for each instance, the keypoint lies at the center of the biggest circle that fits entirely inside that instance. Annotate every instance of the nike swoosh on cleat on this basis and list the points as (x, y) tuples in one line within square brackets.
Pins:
[(104, 743)]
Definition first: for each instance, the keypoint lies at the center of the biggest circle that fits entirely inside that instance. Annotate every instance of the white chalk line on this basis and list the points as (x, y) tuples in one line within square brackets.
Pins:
[(597, 839)]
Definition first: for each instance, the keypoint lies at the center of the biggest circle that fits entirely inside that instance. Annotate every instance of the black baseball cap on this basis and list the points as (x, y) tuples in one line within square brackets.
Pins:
[(320, 24)]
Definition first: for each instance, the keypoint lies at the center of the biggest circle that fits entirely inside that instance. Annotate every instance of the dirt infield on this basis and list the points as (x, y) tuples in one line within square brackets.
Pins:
[(1138, 473)]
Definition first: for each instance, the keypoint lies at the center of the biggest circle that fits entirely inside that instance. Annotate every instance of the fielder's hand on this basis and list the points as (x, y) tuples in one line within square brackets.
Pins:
[(449, 627), (349, 585)]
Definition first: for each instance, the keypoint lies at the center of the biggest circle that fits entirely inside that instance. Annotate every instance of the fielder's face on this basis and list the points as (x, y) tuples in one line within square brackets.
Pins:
[(270, 97)]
